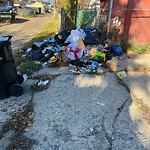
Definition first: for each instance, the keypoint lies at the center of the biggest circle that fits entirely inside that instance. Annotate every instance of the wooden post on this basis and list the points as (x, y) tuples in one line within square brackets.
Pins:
[(62, 18), (54, 8)]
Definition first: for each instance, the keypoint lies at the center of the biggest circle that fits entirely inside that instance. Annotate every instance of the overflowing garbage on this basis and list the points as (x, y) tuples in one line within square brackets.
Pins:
[(84, 50)]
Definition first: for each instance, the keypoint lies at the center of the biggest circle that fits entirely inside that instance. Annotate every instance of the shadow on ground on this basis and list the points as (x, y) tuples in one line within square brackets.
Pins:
[(87, 112), (19, 20)]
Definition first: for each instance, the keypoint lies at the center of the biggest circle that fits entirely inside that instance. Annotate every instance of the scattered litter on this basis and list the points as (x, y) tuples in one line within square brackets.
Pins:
[(44, 64), (88, 70), (3, 38), (91, 129), (75, 71), (85, 50), (25, 77), (46, 55), (117, 50), (24, 56), (99, 56), (42, 83), (56, 49), (121, 74), (28, 50), (51, 39), (44, 50), (100, 71)]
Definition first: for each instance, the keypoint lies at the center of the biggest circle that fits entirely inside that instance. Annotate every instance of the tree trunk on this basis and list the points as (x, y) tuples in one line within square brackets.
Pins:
[(70, 17)]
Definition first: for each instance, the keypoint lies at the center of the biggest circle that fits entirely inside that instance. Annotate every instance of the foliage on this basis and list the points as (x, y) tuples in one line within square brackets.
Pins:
[(25, 64), (49, 30), (144, 48), (135, 48), (70, 6)]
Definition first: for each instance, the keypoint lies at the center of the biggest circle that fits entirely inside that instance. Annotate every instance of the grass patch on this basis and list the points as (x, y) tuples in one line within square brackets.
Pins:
[(49, 30), (145, 48), (135, 48), (25, 64)]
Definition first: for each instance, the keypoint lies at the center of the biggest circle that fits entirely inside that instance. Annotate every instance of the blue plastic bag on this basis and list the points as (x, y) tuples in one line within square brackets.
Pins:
[(117, 49)]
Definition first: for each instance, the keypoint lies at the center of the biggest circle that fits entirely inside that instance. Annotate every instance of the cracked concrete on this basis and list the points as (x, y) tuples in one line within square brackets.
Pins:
[(84, 112)]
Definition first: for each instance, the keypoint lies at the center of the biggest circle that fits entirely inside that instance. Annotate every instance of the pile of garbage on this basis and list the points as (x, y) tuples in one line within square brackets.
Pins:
[(86, 51)]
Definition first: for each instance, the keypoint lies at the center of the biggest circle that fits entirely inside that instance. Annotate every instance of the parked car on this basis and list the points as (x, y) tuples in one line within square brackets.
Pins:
[(47, 9)]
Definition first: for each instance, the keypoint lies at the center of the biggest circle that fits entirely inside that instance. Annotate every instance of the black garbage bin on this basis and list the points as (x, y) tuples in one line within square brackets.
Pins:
[(8, 76)]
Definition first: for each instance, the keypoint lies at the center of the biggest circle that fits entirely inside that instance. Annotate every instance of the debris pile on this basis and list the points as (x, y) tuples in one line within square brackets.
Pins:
[(85, 51)]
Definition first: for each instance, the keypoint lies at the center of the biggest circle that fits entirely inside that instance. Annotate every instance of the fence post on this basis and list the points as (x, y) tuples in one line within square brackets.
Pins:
[(98, 11), (62, 18), (109, 18), (95, 18)]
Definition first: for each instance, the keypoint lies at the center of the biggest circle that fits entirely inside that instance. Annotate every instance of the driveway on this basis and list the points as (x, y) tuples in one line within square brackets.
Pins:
[(84, 112), (25, 29)]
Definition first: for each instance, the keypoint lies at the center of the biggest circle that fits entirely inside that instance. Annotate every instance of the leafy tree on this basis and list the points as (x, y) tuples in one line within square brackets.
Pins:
[(70, 16)]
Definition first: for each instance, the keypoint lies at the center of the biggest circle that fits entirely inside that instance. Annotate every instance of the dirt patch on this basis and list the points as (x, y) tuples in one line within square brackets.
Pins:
[(42, 78), (20, 142), (4, 24), (145, 109), (19, 123), (140, 69)]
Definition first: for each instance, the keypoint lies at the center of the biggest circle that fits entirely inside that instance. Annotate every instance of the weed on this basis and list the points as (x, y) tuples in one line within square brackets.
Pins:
[(135, 48)]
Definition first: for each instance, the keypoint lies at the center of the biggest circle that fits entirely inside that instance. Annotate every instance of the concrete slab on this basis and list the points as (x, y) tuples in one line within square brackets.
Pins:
[(83, 112), (53, 70), (139, 85), (130, 62)]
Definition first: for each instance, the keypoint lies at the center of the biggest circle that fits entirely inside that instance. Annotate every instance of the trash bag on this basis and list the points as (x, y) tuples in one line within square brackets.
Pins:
[(99, 57), (36, 56), (61, 37), (75, 36), (117, 50), (39, 46), (89, 30), (47, 56), (94, 38), (109, 55), (73, 54)]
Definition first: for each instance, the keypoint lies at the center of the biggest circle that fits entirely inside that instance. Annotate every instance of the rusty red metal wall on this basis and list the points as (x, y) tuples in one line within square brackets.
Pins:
[(135, 24)]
